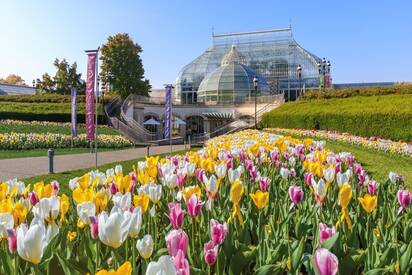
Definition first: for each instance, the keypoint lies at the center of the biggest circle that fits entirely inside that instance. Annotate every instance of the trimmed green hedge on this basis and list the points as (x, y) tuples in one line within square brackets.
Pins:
[(387, 116), (44, 98), (367, 91), (58, 112)]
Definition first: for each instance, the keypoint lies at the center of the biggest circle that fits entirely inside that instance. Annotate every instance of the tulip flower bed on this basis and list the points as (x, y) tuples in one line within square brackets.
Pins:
[(246, 203), (22, 141), (385, 145)]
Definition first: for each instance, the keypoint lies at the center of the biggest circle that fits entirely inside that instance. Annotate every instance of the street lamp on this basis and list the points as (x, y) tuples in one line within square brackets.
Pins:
[(299, 70), (255, 85), (324, 69)]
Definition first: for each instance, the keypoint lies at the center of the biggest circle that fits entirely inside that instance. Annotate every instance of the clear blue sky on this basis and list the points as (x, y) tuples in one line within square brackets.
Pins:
[(365, 40)]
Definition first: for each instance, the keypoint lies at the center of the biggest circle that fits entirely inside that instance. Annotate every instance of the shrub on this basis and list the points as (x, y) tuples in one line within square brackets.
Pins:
[(44, 98), (384, 116)]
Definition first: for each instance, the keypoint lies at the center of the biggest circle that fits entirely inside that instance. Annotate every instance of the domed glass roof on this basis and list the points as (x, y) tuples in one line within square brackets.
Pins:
[(232, 82)]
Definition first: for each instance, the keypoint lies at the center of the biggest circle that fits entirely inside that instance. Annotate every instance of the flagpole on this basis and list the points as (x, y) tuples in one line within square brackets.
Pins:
[(96, 105)]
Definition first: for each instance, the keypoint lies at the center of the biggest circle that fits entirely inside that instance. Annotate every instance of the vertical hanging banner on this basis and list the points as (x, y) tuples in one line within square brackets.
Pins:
[(168, 111), (90, 83), (74, 112)]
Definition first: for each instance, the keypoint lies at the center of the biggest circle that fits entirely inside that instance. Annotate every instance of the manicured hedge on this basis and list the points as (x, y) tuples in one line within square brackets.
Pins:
[(387, 116), (367, 91), (44, 98), (58, 112)]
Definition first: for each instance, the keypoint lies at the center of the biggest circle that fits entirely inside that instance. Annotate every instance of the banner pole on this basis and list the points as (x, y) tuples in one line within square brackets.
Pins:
[(97, 104)]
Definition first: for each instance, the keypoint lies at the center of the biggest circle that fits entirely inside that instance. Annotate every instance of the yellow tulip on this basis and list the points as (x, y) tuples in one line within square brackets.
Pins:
[(6, 206), (345, 195), (307, 142), (124, 269), (81, 195), (100, 200), (143, 177), (43, 190), (83, 181), (64, 207), (19, 213), (142, 201), (123, 183), (3, 191), (190, 190), (260, 199), (368, 202), (236, 192), (71, 235)]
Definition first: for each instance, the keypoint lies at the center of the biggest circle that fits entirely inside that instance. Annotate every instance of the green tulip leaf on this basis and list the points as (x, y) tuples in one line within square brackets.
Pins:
[(405, 260), (329, 243), (273, 269), (297, 256)]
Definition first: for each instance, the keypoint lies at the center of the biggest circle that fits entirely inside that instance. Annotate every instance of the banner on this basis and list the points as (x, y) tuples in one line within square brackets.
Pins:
[(90, 83), (74, 114), (168, 111)]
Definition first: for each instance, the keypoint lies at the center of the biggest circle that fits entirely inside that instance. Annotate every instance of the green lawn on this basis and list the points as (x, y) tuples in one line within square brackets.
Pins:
[(55, 129), (8, 154)]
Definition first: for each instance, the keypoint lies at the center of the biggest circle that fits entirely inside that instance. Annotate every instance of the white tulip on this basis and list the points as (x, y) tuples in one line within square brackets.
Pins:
[(145, 246), (118, 169), (342, 178), (155, 192), (110, 172), (85, 210), (284, 172), (292, 161), (211, 183), (329, 174), (6, 223), (123, 201), (114, 228), (141, 165), (167, 168), (234, 174), (221, 170), (164, 266), (73, 184), (17, 185), (319, 188), (393, 177), (47, 208), (169, 180), (136, 222), (222, 155), (189, 168), (31, 242)]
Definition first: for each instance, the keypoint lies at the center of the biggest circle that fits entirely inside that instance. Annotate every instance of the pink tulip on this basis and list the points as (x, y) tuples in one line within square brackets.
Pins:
[(33, 198), (181, 264), (210, 250), (372, 187), (12, 240), (55, 185), (338, 168), (325, 232), (253, 173), (194, 206), (180, 180), (218, 231), (199, 174), (274, 156), (308, 176), (229, 163), (357, 168), (176, 215), (174, 160), (286, 155), (113, 188), (326, 262), (176, 240), (248, 164), (264, 184), (242, 156), (404, 199), (94, 227), (351, 160), (295, 194)]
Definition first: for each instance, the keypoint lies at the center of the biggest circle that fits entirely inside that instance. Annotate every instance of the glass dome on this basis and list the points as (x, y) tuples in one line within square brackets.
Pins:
[(232, 82)]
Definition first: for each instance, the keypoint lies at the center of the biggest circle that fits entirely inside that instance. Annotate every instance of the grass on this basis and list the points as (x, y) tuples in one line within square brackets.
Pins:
[(8, 154), (64, 177), (385, 116), (377, 163), (56, 129)]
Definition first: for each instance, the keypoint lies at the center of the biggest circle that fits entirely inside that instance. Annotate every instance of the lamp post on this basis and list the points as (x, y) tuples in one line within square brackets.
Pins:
[(255, 85), (34, 86), (324, 69), (299, 71)]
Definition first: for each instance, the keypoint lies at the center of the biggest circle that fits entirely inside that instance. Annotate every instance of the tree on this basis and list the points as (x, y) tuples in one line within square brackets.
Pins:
[(122, 66), (13, 79), (67, 77), (46, 85)]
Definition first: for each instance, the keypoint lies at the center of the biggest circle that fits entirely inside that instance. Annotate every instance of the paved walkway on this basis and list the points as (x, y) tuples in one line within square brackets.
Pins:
[(35, 166)]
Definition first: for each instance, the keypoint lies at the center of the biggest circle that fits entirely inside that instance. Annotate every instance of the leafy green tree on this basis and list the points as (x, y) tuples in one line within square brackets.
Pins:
[(122, 66), (46, 85), (13, 79)]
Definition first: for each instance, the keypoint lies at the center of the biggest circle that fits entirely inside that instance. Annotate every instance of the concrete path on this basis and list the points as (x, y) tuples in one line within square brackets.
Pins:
[(35, 166)]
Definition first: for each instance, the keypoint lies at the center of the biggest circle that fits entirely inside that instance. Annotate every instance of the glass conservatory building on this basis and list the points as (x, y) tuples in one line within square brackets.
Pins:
[(273, 56)]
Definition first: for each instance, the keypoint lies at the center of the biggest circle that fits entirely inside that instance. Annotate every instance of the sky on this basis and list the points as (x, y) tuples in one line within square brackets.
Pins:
[(366, 41)]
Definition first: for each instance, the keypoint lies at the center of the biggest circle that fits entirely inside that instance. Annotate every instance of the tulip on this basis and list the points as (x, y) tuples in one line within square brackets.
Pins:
[(404, 199), (176, 215), (344, 198), (176, 240), (85, 210), (260, 199), (264, 183), (221, 170), (194, 206), (6, 223), (113, 188), (342, 178), (236, 193), (180, 180), (210, 251), (124, 269), (326, 262), (181, 264), (211, 184), (123, 201), (47, 209), (12, 240), (145, 246), (32, 241), (329, 174), (199, 174), (136, 222), (118, 169), (189, 168), (393, 177), (233, 174), (155, 192), (319, 189), (254, 173), (114, 228), (33, 198), (368, 202), (325, 232), (284, 172), (94, 227), (308, 176), (165, 266), (218, 231), (170, 180), (55, 185), (295, 194), (372, 187)]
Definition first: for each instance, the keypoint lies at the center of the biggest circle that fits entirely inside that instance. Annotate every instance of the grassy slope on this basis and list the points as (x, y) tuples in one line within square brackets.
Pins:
[(386, 116)]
